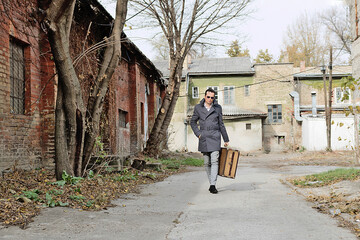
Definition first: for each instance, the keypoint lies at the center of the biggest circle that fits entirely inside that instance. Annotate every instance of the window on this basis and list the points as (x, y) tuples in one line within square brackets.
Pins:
[(229, 95), (158, 102), (247, 90), (195, 92), (274, 114), (122, 118), (340, 93), (280, 139), (248, 126), (17, 78), (142, 118), (216, 89)]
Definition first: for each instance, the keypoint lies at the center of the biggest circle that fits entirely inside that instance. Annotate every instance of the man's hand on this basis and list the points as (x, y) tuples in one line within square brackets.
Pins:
[(226, 144), (199, 136)]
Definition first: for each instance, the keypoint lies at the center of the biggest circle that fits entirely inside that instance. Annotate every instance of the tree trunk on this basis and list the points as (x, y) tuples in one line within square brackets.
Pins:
[(72, 149), (159, 131), (70, 110)]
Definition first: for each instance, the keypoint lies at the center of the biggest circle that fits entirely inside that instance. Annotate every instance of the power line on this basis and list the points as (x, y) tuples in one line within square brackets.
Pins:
[(269, 80)]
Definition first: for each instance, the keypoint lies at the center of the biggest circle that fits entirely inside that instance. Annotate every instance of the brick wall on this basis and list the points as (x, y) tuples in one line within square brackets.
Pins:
[(275, 82), (22, 142)]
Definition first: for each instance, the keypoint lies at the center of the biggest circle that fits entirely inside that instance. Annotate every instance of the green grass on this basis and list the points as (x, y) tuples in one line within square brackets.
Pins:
[(177, 163), (327, 178)]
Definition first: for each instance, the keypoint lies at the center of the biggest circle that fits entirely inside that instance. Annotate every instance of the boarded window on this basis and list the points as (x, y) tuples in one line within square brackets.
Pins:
[(122, 118), (229, 95), (248, 126), (195, 92), (17, 78), (274, 114)]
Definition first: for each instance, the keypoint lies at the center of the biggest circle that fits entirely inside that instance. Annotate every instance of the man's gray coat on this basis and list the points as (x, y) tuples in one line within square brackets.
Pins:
[(211, 127)]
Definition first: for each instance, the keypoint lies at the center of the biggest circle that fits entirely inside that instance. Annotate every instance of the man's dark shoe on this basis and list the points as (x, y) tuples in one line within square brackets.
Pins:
[(212, 189)]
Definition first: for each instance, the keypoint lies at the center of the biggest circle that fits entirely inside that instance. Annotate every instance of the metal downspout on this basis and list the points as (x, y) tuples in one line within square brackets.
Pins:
[(296, 97)]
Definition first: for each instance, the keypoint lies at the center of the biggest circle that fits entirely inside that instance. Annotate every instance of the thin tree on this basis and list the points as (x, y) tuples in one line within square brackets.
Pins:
[(77, 123), (337, 22), (184, 23), (304, 41)]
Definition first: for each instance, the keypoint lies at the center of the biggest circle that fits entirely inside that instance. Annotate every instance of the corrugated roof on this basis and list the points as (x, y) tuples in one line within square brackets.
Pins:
[(314, 72), (211, 66)]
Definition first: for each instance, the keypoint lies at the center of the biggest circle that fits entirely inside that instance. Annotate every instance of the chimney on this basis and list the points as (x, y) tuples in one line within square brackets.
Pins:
[(302, 66), (313, 100)]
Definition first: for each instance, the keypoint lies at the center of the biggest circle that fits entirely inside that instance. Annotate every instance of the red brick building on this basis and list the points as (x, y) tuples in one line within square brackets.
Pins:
[(28, 84)]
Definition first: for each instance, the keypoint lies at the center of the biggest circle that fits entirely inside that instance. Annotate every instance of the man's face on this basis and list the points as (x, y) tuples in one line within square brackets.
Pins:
[(209, 97)]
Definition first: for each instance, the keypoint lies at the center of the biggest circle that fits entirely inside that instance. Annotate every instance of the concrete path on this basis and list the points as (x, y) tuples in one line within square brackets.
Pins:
[(253, 206)]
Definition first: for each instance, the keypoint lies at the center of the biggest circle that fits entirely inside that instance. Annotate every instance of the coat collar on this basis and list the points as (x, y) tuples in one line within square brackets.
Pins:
[(205, 111), (215, 103)]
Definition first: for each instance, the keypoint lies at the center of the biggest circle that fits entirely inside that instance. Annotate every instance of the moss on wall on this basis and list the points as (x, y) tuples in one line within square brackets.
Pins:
[(319, 84)]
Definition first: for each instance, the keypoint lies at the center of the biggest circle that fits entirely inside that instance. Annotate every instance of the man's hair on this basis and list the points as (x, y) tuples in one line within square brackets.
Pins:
[(209, 90)]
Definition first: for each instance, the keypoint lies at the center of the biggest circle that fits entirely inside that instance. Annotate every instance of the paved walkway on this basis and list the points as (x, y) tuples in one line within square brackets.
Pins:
[(253, 206)]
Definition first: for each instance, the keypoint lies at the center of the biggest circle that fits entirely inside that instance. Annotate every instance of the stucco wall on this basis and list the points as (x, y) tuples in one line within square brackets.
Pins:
[(240, 138)]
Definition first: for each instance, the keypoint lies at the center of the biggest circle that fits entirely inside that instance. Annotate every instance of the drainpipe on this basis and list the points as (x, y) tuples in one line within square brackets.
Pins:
[(313, 100), (186, 110), (296, 97)]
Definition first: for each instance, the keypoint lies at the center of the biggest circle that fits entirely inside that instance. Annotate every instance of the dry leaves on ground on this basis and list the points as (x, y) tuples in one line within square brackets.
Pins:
[(24, 193)]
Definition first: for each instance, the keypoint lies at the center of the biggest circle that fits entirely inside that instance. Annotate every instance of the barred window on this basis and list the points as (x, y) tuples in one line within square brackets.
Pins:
[(17, 78), (274, 114), (229, 95)]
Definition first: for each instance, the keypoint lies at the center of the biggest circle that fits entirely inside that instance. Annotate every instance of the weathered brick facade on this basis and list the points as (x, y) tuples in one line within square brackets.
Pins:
[(27, 140)]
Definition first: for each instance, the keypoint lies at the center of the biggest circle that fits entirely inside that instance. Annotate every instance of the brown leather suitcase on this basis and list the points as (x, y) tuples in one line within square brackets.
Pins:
[(228, 162)]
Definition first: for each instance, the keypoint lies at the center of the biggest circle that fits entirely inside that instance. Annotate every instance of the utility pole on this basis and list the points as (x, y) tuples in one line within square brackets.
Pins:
[(323, 70), (330, 101)]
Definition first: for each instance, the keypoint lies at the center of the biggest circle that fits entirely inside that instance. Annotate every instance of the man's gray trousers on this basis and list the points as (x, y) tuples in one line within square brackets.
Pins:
[(211, 163)]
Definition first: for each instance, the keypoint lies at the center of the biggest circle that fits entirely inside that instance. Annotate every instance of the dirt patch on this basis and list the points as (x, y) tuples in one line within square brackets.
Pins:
[(340, 200)]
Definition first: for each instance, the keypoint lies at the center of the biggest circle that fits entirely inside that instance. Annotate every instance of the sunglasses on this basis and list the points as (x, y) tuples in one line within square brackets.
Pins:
[(210, 97)]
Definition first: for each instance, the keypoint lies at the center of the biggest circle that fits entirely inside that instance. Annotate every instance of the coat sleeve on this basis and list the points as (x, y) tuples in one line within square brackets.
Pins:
[(222, 127), (193, 122)]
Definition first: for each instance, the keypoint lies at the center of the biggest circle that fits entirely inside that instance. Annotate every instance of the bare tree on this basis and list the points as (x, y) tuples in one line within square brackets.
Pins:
[(337, 22), (77, 123), (184, 23), (161, 47), (304, 41)]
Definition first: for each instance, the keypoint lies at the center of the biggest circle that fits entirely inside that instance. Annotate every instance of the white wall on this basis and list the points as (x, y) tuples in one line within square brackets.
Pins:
[(314, 133), (240, 138)]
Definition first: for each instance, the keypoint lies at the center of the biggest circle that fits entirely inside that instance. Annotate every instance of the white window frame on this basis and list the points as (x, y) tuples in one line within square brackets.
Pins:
[(195, 94), (229, 95), (339, 94)]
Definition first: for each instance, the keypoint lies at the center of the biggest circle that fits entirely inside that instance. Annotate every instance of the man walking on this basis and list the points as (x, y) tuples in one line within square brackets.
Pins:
[(209, 115)]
